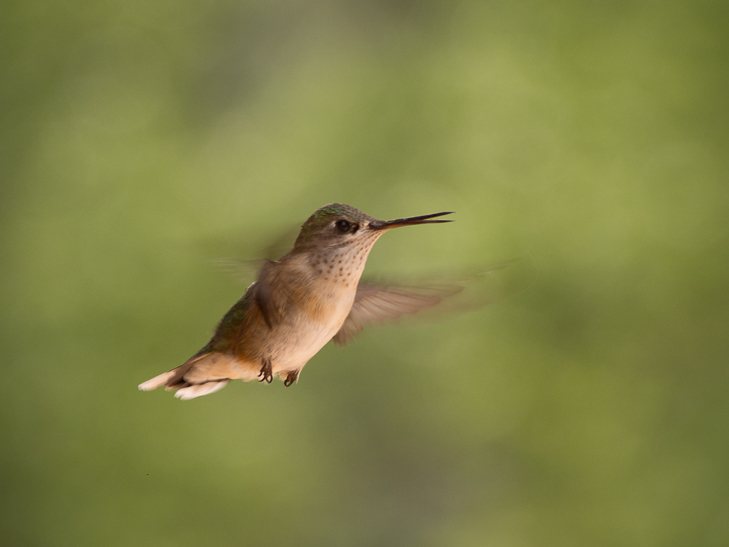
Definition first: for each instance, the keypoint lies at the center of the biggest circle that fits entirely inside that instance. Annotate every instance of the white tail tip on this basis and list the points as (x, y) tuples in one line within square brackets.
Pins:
[(187, 393), (157, 381)]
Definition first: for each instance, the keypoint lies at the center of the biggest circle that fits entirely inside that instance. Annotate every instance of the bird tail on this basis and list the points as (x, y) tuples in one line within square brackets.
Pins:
[(202, 375)]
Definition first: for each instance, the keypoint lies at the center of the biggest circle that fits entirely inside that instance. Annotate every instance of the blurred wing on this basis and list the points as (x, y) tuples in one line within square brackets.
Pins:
[(265, 246), (240, 269), (493, 283), (376, 303)]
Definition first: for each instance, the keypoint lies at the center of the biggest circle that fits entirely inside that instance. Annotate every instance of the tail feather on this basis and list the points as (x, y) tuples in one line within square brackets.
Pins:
[(157, 381), (199, 390), (202, 375)]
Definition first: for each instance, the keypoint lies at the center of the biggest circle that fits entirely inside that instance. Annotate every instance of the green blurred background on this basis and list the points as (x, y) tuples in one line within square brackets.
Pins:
[(592, 137)]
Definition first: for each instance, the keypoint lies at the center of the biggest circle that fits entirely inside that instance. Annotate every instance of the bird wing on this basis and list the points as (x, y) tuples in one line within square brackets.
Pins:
[(374, 303), (264, 294)]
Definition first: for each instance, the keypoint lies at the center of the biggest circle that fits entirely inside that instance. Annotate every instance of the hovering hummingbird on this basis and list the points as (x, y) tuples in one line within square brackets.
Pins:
[(309, 296)]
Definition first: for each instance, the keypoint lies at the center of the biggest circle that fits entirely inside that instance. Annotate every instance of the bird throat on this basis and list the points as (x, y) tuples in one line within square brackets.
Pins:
[(343, 265)]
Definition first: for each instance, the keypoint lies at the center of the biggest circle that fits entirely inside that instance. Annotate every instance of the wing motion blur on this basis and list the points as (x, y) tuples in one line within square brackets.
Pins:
[(376, 303), (379, 302)]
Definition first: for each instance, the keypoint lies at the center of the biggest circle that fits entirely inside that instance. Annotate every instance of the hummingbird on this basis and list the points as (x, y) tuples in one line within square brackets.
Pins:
[(311, 295)]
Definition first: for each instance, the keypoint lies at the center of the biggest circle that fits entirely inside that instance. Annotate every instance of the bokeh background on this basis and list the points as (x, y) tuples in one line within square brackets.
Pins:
[(592, 138)]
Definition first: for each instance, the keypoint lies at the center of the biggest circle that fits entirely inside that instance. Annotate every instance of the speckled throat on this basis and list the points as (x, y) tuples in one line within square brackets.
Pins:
[(344, 265)]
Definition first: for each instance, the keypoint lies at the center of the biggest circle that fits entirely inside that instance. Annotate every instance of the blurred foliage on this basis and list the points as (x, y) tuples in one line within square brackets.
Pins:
[(591, 137)]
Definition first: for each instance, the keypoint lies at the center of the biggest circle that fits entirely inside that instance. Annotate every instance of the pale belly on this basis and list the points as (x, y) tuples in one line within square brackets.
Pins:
[(302, 335)]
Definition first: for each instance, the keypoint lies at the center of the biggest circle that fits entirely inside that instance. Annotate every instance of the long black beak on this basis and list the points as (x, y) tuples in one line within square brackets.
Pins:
[(409, 221)]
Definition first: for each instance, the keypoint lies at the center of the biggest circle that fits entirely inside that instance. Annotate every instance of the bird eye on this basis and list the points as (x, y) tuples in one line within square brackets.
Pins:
[(343, 225)]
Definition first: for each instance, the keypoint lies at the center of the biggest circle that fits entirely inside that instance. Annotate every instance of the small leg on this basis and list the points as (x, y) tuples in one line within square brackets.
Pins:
[(266, 373), (291, 377)]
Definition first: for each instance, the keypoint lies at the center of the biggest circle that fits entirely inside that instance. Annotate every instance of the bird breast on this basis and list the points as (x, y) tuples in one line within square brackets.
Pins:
[(307, 328), (319, 294)]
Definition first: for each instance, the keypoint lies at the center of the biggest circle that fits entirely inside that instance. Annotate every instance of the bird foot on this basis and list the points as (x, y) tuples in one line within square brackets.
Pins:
[(291, 377), (266, 373)]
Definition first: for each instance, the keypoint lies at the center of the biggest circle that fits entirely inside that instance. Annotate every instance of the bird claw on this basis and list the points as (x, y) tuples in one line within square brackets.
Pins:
[(266, 373), (291, 377)]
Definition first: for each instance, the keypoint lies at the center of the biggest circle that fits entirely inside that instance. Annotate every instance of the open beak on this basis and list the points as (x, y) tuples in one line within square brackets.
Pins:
[(409, 221)]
